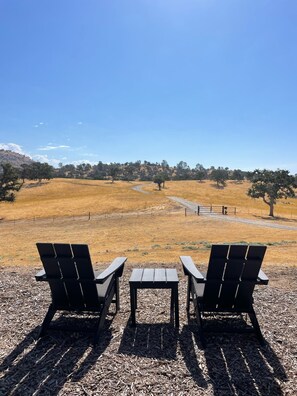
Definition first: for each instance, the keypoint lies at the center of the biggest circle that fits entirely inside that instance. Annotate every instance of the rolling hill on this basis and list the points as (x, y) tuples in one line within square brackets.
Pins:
[(15, 159)]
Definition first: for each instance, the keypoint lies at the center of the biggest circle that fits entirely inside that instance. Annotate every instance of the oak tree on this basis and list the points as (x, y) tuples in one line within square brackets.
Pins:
[(9, 182), (220, 175), (159, 179), (271, 186)]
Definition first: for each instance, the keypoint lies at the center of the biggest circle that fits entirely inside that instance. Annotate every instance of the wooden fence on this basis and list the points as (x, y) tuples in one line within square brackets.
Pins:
[(212, 209)]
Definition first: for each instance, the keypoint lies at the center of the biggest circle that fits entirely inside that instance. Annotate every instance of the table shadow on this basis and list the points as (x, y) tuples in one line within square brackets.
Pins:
[(158, 341)]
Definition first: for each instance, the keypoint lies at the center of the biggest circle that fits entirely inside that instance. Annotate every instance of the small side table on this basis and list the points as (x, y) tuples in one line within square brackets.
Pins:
[(150, 278)]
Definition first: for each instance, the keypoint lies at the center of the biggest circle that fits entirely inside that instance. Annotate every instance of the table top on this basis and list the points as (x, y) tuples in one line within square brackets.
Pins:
[(154, 275)]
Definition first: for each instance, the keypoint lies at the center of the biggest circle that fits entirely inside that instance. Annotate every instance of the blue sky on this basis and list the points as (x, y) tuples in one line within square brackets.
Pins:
[(202, 81)]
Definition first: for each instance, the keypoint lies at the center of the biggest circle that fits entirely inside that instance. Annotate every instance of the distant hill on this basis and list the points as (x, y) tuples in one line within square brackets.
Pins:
[(15, 159)]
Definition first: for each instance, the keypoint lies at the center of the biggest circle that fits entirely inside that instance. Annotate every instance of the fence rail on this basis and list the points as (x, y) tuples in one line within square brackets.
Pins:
[(216, 209), (88, 216), (212, 209)]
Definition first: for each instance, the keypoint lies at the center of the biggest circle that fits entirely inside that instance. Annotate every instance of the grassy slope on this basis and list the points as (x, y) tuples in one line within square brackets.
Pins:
[(133, 224), (73, 197)]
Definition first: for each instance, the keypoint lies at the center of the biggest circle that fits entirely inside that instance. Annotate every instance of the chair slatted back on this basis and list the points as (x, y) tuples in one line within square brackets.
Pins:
[(70, 275), (215, 272), (249, 276), (233, 270), (231, 276), (86, 275), (52, 269)]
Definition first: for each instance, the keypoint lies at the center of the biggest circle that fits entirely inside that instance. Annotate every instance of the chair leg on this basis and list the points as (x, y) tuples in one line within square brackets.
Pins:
[(100, 324), (46, 321), (199, 322), (103, 314), (188, 293), (256, 326), (117, 293)]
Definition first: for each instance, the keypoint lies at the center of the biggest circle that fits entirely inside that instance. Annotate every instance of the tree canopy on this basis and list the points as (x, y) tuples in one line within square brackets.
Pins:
[(114, 170), (159, 179), (37, 171), (271, 186), (220, 175), (9, 182), (200, 172), (237, 175)]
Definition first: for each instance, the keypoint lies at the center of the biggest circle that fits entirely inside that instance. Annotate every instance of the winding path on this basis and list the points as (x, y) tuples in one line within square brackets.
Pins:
[(261, 223), (193, 206), (139, 189)]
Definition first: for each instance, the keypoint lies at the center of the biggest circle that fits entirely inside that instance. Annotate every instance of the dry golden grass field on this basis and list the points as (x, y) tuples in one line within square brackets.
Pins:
[(145, 227)]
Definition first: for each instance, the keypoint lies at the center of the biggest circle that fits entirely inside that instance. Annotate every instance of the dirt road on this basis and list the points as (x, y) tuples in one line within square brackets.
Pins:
[(214, 216), (261, 223)]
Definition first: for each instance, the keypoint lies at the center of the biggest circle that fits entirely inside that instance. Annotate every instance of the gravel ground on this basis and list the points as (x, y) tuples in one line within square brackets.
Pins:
[(153, 358)]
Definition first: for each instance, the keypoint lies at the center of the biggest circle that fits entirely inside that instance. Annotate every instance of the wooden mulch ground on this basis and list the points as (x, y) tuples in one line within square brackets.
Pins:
[(153, 359)]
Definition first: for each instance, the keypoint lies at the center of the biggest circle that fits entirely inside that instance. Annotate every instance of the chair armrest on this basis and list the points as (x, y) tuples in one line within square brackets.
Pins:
[(41, 276), (262, 278), (190, 268), (116, 266)]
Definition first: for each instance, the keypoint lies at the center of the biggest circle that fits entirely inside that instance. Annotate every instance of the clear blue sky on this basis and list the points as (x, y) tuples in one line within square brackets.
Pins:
[(202, 81)]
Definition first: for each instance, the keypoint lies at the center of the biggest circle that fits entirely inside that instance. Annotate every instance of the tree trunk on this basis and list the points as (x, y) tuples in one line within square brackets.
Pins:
[(271, 206), (270, 203)]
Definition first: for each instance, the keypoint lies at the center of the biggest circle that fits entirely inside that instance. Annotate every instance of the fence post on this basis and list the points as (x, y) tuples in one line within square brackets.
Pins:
[(198, 210), (210, 208), (89, 215), (185, 211), (224, 210)]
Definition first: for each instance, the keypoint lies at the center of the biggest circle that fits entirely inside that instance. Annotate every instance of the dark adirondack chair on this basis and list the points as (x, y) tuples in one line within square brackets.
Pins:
[(74, 285), (227, 288)]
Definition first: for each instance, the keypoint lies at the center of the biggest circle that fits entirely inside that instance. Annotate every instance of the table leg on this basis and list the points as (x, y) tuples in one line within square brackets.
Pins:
[(133, 298), (172, 301), (176, 306)]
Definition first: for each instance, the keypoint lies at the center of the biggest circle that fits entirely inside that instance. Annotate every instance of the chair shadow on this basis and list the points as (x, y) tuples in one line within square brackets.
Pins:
[(157, 341), (190, 350), (44, 366), (236, 364)]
